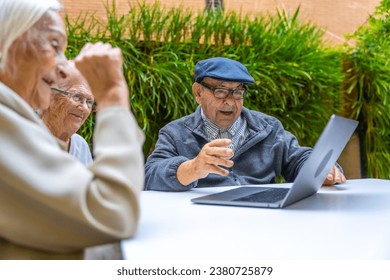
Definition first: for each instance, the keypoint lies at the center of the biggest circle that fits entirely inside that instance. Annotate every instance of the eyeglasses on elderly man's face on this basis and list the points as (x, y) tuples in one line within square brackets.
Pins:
[(77, 97), (223, 93)]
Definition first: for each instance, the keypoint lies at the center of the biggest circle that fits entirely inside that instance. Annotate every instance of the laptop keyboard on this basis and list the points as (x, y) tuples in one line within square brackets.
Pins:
[(268, 196)]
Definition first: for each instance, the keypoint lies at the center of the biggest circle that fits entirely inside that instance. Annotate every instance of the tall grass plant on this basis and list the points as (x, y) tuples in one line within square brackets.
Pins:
[(297, 76), (368, 90)]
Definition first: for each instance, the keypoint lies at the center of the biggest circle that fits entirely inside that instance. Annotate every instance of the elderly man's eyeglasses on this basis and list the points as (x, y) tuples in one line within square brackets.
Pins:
[(77, 97), (222, 93)]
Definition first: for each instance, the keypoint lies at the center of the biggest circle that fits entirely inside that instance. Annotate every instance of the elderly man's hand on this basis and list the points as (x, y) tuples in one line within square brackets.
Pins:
[(334, 176), (213, 158)]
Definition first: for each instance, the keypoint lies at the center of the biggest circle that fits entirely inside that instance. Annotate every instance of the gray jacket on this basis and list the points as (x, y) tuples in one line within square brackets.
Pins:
[(268, 152)]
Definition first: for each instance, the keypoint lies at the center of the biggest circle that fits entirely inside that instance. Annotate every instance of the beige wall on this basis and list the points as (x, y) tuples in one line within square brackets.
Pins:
[(336, 17)]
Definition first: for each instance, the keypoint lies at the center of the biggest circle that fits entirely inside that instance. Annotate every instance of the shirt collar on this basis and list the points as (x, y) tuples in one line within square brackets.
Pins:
[(213, 129)]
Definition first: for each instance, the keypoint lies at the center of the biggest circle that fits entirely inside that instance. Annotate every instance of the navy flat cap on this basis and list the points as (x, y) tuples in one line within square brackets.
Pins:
[(221, 68)]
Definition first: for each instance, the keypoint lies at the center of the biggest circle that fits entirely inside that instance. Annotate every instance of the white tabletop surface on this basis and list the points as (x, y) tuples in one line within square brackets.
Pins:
[(348, 221)]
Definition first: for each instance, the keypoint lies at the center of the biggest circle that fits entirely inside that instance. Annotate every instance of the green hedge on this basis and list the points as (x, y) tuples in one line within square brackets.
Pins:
[(299, 79), (368, 90)]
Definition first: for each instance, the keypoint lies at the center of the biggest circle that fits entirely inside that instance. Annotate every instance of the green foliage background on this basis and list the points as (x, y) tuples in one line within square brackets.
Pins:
[(368, 89), (298, 78)]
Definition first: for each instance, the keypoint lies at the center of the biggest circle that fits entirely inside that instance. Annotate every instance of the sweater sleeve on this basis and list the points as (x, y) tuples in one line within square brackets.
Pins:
[(161, 166)]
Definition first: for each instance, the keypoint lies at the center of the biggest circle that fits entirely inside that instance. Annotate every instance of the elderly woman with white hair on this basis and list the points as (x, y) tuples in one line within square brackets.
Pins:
[(71, 103), (51, 205)]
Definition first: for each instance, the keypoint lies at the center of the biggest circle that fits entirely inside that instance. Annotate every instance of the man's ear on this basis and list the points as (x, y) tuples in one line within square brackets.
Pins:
[(196, 89)]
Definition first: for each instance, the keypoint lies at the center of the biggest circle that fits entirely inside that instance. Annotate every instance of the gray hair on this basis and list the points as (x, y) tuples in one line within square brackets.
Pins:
[(18, 16)]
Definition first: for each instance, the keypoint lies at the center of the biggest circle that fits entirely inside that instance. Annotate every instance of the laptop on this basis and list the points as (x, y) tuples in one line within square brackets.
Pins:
[(309, 180)]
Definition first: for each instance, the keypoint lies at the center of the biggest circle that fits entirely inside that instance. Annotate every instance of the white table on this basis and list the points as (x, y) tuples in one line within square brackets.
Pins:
[(348, 221)]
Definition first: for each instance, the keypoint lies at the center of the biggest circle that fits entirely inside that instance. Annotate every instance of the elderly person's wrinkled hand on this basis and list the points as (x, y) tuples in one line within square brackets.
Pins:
[(214, 157), (334, 176), (101, 65)]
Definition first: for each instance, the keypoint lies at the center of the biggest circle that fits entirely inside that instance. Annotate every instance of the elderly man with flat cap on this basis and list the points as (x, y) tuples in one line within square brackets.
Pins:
[(223, 143)]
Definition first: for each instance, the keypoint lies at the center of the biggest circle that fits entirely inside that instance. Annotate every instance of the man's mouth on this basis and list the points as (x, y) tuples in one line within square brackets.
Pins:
[(226, 113)]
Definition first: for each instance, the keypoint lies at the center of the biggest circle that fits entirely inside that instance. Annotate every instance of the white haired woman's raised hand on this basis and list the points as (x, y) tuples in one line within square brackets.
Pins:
[(101, 65)]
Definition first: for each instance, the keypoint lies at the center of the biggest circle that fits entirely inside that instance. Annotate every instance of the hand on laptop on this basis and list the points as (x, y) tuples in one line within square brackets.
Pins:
[(212, 158), (334, 176)]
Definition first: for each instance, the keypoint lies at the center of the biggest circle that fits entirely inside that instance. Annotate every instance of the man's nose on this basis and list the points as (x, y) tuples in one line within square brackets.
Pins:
[(229, 99)]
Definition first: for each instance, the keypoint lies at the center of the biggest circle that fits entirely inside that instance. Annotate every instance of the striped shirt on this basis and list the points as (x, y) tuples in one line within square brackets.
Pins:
[(237, 132)]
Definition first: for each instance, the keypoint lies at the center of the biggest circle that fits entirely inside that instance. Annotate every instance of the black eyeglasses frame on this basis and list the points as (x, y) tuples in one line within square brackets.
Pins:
[(242, 92)]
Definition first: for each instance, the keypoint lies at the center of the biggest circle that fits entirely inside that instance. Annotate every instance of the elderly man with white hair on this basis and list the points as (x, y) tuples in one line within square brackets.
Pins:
[(223, 143), (51, 205)]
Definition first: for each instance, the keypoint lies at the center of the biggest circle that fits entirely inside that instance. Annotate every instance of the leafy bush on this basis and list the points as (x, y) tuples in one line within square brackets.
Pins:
[(368, 89), (298, 78)]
